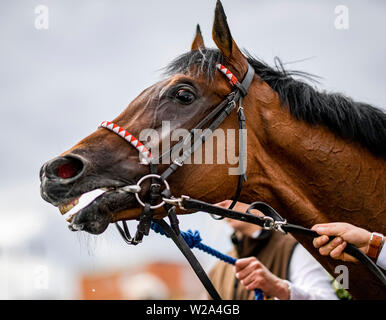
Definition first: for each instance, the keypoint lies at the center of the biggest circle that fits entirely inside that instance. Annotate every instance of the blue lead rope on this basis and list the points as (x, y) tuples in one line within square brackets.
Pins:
[(193, 240)]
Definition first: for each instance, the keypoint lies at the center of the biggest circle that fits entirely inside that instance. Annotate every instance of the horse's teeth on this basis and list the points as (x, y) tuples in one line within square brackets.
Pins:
[(64, 208), (67, 207), (73, 207)]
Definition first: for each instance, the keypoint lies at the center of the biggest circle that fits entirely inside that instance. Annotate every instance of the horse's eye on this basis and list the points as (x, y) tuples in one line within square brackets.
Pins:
[(184, 96)]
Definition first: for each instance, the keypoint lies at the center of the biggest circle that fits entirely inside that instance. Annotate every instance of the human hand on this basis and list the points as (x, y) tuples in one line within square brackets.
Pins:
[(254, 275), (344, 232)]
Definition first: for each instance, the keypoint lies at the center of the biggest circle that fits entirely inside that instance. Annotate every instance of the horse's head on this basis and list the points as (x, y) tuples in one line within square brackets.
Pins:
[(103, 160)]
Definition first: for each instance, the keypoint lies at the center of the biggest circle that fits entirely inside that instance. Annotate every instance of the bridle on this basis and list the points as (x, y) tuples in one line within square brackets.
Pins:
[(212, 121), (157, 198)]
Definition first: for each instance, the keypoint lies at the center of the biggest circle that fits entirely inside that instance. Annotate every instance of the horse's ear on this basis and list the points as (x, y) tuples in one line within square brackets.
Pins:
[(223, 38), (198, 42)]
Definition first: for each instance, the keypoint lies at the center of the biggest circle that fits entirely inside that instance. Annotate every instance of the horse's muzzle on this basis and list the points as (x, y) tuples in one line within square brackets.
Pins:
[(59, 175)]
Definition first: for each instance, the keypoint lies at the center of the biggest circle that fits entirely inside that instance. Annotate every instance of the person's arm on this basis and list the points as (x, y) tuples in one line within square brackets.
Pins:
[(347, 233), (381, 261), (308, 280), (254, 275)]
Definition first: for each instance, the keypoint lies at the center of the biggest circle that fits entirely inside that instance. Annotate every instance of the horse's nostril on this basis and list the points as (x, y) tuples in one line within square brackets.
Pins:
[(68, 170), (64, 167)]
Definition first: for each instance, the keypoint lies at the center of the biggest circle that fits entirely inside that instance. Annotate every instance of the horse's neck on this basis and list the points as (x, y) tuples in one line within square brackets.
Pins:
[(312, 176)]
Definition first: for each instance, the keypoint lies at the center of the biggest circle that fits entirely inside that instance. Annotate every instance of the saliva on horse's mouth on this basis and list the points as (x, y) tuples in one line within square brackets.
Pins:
[(94, 210), (71, 208), (83, 213)]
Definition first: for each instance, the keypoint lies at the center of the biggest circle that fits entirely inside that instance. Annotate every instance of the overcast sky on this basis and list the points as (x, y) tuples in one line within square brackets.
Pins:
[(57, 85)]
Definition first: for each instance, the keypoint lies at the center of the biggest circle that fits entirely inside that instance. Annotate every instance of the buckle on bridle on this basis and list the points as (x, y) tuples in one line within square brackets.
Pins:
[(272, 225), (177, 202), (178, 162), (268, 223)]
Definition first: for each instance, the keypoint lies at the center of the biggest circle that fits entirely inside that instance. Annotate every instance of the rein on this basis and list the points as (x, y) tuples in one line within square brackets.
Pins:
[(193, 239), (157, 198)]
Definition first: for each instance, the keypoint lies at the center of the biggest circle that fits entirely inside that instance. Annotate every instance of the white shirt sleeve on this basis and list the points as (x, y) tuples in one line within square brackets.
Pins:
[(309, 280), (381, 261)]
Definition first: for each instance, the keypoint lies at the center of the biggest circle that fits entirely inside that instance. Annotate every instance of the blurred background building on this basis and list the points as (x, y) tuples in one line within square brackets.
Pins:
[(57, 84)]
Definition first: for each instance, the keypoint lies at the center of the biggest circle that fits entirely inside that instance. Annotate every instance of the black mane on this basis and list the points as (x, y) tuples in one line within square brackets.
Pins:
[(352, 120)]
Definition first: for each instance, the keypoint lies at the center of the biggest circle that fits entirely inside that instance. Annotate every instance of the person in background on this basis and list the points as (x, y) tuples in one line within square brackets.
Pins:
[(271, 261), (371, 244)]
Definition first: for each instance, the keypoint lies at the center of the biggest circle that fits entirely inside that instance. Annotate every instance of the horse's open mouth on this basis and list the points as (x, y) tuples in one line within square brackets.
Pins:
[(87, 199), (93, 211)]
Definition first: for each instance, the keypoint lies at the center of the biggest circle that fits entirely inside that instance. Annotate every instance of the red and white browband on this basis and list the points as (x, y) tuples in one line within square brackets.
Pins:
[(128, 137), (138, 144), (232, 79)]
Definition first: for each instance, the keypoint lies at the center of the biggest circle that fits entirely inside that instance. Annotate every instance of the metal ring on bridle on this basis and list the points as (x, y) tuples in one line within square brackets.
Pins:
[(269, 223), (139, 185)]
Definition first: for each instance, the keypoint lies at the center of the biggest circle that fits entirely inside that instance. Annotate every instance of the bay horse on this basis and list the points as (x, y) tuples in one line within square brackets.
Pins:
[(315, 157)]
